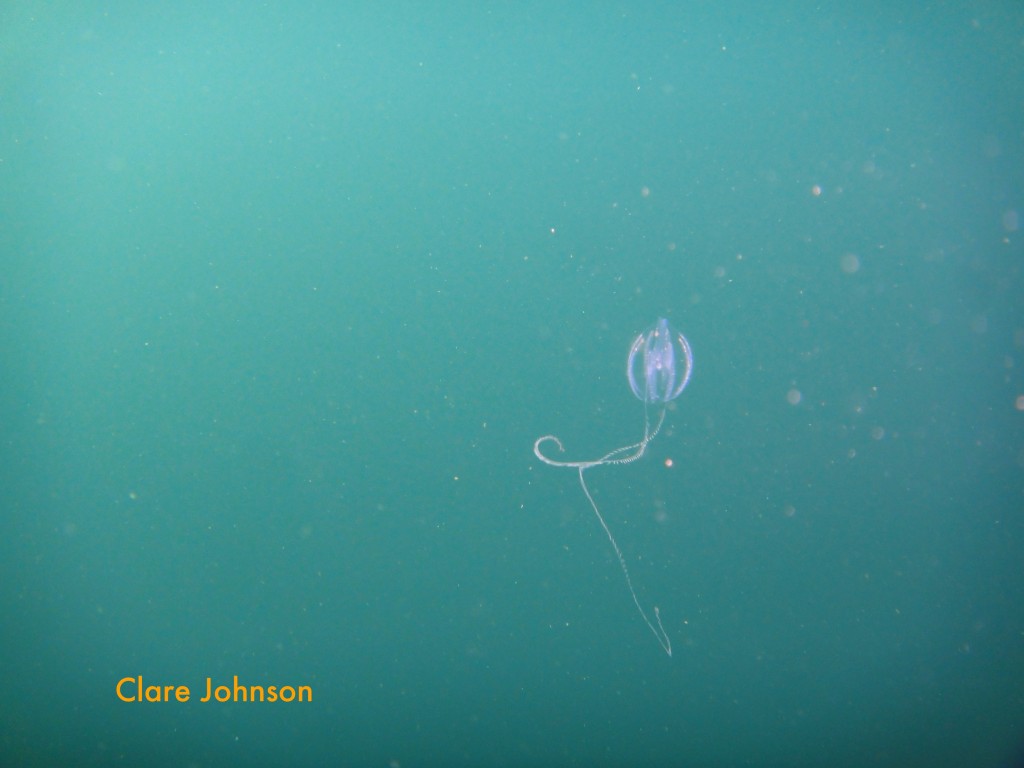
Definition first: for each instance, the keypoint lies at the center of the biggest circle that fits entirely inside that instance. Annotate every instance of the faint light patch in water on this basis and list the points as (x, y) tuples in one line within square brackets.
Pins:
[(849, 263)]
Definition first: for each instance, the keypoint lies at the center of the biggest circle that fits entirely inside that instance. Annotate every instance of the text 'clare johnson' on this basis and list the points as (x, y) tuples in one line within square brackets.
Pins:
[(132, 689)]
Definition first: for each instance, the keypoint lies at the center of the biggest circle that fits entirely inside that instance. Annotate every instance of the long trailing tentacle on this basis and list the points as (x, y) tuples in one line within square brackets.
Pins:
[(625, 455), (659, 633)]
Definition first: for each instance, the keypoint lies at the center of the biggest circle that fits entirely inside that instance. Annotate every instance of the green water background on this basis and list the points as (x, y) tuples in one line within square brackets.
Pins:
[(289, 290)]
